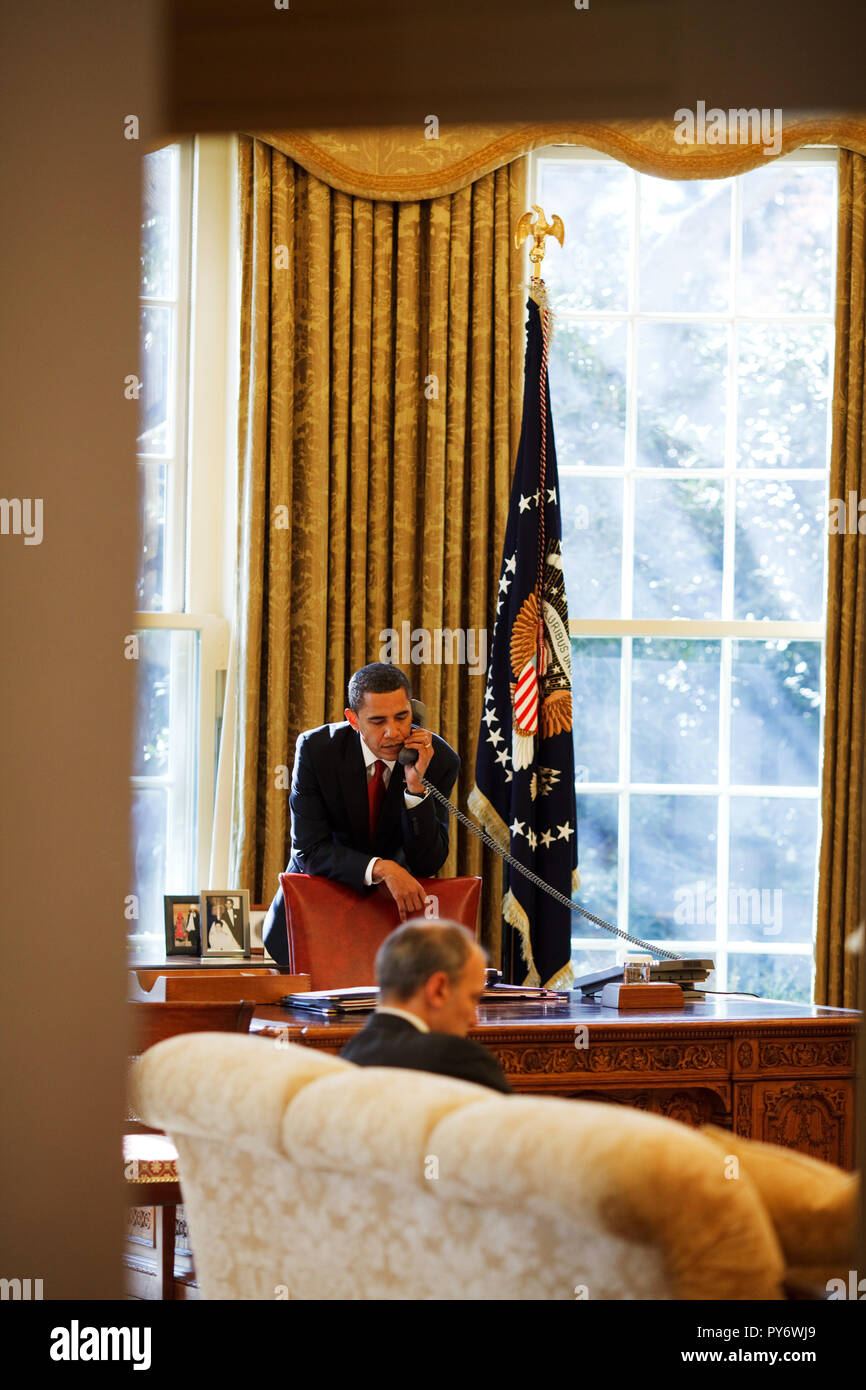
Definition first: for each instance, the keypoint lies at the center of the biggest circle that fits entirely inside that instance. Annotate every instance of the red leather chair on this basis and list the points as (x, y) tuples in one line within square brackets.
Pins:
[(335, 932)]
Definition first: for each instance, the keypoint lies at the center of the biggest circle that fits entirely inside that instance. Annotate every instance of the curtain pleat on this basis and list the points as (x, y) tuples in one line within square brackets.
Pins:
[(840, 897), (381, 346)]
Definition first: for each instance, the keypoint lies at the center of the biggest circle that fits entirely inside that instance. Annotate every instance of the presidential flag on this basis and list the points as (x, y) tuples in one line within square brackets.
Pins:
[(524, 771)]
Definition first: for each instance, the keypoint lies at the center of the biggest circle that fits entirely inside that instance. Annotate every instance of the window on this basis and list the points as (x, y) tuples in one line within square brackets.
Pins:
[(181, 636), (691, 380)]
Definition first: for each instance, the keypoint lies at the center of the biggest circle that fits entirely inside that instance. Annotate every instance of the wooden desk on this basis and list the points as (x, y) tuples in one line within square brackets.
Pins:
[(783, 1073)]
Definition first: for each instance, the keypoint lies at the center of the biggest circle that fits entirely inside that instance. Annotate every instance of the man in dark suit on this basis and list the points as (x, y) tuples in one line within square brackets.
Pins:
[(431, 976), (360, 816)]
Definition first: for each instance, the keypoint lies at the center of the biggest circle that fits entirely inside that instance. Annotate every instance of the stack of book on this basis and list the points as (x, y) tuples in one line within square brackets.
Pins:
[(685, 973), (330, 1003)]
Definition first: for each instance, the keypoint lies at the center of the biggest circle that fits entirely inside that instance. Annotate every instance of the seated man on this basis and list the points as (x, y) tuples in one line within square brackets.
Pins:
[(431, 976), (360, 816)]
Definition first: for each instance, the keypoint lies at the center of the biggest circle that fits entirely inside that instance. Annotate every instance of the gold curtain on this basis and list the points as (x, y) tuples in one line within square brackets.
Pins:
[(398, 265), (840, 903), (380, 394), (402, 163)]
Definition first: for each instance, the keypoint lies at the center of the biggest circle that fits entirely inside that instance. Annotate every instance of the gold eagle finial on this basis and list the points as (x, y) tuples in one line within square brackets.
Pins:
[(538, 230)]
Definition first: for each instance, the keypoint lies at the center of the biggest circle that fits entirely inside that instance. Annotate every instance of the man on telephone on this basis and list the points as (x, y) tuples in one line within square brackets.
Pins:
[(360, 816)]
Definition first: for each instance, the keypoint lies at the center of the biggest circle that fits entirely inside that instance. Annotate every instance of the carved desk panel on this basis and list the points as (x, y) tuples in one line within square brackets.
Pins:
[(779, 1072)]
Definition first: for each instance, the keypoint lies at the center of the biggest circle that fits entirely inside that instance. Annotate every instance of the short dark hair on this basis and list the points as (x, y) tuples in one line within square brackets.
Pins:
[(377, 678), (411, 954)]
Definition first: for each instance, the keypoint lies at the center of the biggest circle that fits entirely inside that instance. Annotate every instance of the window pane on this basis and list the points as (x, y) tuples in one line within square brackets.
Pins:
[(165, 765), (784, 392), (151, 563), (153, 711), (678, 548), (776, 713), (675, 710), (780, 545), (159, 223), (685, 244), (789, 216), (673, 842), (595, 664), (594, 202), (598, 847), (149, 839), (772, 977), (592, 544), (587, 392), (772, 895), (587, 962), (682, 375), (155, 436)]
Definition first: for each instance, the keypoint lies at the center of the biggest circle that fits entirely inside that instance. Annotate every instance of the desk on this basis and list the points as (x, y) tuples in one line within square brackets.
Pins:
[(779, 1072)]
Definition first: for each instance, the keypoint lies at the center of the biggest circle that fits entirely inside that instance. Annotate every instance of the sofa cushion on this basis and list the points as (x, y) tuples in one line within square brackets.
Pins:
[(632, 1169), (225, 1085), (376, 1120), (812, 1205)]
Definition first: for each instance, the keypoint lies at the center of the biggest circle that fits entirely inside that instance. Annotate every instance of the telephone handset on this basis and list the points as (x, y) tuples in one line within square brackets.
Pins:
[(409, 756)]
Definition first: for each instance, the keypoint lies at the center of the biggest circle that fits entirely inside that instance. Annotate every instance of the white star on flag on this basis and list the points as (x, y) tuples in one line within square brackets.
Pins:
[(493, 737), (516, 827), (564, 832)]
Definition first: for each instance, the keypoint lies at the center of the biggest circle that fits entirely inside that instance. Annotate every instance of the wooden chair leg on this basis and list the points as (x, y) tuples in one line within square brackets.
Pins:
[(165, 1228)]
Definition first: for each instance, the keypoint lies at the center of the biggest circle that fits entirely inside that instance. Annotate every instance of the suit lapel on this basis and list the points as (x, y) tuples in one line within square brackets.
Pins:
[(354, 785)]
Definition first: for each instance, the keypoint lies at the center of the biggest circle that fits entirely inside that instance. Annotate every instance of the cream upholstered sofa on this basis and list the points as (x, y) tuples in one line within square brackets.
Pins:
[(307, 1177)]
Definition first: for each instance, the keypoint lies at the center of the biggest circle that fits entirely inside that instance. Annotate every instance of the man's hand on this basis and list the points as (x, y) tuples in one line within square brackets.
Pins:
[(404, 889), (422, 739)]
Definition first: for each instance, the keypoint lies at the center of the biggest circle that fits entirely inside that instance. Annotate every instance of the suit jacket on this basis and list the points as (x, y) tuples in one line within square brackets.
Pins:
[(331, 819), (389, 1041)]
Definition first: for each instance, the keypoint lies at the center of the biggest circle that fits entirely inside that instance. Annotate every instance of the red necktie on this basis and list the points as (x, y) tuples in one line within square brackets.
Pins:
[(376, 793)]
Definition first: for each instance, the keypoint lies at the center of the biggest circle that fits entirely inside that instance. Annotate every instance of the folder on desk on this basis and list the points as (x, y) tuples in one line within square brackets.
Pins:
[(329, 1003)]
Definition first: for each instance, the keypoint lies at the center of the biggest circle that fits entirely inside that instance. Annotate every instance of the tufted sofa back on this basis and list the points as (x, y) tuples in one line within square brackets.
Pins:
[(304, 1176)]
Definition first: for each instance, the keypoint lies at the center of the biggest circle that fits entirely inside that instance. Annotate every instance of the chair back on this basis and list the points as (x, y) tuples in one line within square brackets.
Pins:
[(334, 932)]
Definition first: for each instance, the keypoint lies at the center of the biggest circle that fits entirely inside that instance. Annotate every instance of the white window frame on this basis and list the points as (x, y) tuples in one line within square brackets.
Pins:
[(201, 503), (719, 943)]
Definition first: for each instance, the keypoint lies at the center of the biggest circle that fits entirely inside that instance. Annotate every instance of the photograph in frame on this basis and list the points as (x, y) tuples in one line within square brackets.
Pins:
[(182, 925), (225, 917)]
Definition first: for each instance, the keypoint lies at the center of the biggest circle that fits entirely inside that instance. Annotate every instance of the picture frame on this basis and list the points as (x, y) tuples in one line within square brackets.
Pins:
[(225, 919), (258, 913), (182, 924)]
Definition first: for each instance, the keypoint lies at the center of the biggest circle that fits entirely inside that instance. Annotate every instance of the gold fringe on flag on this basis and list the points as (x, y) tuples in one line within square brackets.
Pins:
[(487, 816)]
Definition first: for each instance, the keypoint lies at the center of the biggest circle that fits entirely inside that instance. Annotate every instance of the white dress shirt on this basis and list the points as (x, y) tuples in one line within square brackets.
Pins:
[(370, 759)]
